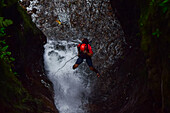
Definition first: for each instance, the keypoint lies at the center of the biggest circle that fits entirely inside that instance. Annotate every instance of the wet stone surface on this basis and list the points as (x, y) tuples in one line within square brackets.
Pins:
[(92, 19)]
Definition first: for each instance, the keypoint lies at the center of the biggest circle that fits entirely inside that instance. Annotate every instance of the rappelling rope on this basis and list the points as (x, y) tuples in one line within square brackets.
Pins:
[(65, 64), (72, 59)]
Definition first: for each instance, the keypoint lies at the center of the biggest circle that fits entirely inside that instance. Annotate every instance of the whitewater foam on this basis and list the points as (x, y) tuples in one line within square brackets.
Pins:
[(70, 91)]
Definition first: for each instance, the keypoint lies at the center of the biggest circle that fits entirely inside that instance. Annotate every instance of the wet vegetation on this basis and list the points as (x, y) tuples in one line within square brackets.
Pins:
[(17, 32), (14, 98), (154, 28), (150, 21)]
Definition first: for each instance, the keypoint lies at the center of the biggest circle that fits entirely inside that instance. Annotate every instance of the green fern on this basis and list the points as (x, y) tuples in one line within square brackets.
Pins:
[(4, 54), (5, 23), (156, 33), (164, 5), (2, 3), (2, 32), (152, 3)]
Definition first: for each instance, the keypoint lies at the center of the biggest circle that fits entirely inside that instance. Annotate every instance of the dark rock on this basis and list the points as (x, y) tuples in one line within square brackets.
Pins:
[(26, 44), (128, 13)]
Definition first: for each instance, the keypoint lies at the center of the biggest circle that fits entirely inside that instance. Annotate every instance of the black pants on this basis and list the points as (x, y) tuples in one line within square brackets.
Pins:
[(88, 60)]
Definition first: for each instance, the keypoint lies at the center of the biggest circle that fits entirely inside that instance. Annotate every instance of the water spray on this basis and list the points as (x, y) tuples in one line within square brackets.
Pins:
[(65, 64)]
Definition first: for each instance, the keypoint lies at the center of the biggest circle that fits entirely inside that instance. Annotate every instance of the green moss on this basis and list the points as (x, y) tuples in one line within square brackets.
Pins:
[(14, 98), (152, 21), (13, 95), (9, 3), (154, 30)]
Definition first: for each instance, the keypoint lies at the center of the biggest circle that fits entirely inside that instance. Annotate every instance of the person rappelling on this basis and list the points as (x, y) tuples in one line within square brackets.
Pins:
[(85, 52)]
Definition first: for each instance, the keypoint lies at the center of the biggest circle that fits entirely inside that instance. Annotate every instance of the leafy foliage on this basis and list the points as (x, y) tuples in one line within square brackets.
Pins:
[(14, 98), (153, 21), (5, 23), (154, 29), (164, 5), (2, 32), (152, 3), (2, 3), (12, 91), (156, 33), (4, 54)]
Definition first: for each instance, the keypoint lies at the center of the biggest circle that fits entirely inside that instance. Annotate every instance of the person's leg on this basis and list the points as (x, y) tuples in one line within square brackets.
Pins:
[(75, 66), (93, 69), (90, 64), (79, 61)]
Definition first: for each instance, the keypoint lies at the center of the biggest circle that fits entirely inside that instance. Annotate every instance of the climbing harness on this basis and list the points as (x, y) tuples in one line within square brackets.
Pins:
[(65, 64)]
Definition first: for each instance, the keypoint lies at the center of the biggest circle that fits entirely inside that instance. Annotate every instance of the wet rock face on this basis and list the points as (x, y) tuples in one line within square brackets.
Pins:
[(95, 20), (128, 13), (90, 19), (26, 46), (123, 84), (154, 86)]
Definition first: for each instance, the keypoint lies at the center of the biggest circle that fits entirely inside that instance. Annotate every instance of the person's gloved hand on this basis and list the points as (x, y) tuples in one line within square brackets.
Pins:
[(85, 51)]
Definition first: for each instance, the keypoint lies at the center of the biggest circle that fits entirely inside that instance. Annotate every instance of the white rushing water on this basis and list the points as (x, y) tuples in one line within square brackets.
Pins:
[(70, 91)]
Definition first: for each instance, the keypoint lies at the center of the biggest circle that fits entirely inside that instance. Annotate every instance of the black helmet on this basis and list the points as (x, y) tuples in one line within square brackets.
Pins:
[(85, 40)]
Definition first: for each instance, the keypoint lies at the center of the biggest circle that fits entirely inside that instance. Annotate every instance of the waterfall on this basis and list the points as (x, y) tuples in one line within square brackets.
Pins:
[(92, 19), (70, 91)]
